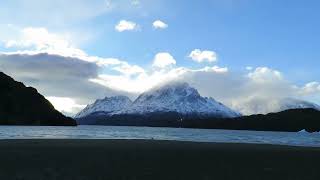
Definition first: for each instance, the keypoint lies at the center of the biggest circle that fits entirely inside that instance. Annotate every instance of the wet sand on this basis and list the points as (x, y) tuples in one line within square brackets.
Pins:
[(152, 160)]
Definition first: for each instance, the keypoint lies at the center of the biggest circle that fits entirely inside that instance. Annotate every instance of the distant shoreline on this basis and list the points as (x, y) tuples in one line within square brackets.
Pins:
[(292, 120), (148, 159)]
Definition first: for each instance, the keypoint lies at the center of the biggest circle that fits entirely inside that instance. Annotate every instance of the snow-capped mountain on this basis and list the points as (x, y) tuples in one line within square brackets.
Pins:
[(106, 105), (264, 106), (185, 100), (290, 103), (179, 105), (180, 98)]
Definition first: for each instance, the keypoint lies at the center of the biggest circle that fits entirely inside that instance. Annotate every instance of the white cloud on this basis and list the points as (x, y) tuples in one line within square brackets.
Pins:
[(216, 69), (127, 69), (149, 79), (159, 24), (39, 38), (41, 41), (65, 104), (125, 25), (201, 56), (265, 75), (310, 88), (163, 59)]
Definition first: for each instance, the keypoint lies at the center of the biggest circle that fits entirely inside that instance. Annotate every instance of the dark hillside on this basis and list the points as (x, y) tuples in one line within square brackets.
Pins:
[(21, 105)]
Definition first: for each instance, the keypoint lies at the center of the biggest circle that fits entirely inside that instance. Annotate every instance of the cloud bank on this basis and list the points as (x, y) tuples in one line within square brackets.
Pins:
[(81, 82), (64, 73)]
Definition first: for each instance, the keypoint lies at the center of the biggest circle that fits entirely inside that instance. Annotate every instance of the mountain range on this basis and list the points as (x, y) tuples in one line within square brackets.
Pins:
[(179, 98), (180, 105), (170, 105)]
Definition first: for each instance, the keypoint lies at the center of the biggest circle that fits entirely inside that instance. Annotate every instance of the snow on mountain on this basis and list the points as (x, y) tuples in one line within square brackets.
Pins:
[(290, 103), (106, 105), (177, 97), (263, 106), (181, 98)]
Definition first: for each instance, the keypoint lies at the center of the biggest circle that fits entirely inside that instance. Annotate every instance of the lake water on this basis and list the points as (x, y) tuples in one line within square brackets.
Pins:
[(179, 134)]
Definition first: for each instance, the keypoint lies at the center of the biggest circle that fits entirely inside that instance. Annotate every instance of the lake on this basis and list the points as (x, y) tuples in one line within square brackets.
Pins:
[(178, 134)]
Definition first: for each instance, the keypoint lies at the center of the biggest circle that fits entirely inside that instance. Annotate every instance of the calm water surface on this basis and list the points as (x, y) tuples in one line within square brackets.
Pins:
[(180, 134)]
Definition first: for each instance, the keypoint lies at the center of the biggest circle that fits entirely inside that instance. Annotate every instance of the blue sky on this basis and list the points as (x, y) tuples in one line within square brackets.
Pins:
[(269, 36), (243, 33)]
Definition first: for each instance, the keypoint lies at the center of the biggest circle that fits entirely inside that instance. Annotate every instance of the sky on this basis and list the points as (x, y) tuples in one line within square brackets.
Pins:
[(244, 53)]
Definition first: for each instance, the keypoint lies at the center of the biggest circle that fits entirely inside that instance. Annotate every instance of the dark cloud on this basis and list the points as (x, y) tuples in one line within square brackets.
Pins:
[(55, 75)]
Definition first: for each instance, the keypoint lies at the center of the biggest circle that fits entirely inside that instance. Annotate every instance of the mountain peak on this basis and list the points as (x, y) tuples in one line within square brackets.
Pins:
[(177, 97), (173, 86), (176, 90), (106, 105)]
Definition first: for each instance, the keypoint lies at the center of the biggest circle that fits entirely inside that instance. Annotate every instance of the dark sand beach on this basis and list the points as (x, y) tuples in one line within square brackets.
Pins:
[(152, 160)]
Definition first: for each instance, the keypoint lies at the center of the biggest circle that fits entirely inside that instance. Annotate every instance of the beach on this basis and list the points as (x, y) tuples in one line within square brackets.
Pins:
[(151, 160)]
